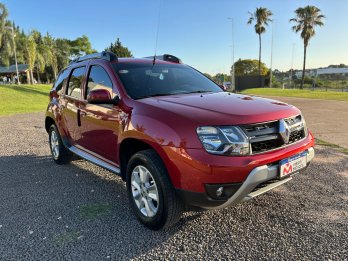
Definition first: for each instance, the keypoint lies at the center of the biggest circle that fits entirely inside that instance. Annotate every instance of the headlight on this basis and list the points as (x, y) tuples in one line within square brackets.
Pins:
[(224, 140)]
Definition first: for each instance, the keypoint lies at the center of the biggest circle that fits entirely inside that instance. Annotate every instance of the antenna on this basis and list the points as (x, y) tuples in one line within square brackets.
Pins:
[(158, 22)]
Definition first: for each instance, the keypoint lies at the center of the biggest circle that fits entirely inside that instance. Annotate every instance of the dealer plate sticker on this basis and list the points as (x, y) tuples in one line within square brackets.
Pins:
[(293, 164)]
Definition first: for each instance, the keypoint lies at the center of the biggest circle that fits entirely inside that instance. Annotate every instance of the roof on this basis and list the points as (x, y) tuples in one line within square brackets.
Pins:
[(129, 60), (12, 68), (141, 60)]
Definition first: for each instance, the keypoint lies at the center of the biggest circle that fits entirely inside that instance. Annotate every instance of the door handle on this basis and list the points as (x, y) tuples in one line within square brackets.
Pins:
[(83, 113), (79, 117)]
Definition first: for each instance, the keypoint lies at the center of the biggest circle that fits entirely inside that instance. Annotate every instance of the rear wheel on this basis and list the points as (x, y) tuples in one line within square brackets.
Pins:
[(151, 194), (60, 154)]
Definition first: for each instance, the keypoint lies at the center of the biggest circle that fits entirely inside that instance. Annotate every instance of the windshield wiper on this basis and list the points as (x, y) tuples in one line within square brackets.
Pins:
[(200, 91), (169, 94)]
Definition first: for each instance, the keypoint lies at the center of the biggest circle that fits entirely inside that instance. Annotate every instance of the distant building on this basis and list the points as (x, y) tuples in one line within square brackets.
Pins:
[(309, 73), (23, 70), (316, 72), (330, 70)]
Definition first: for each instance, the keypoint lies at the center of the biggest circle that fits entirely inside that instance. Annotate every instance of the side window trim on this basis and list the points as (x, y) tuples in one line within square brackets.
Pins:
[(68, 81), (85, 87)]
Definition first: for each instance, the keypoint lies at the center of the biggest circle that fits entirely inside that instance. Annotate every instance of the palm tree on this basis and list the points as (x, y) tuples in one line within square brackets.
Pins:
[(6, 45), (307, 18), (51, 53), (40, 65), (3, 17), (261, 18), (6, 39), (31, 48)]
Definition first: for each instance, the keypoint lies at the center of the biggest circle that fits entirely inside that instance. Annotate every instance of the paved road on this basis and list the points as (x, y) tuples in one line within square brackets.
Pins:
[(80, 211), (327, 119)]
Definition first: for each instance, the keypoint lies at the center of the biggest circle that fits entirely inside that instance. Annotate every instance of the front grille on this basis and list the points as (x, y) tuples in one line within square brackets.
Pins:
[(265, 136), (263, 146), (296, 135)]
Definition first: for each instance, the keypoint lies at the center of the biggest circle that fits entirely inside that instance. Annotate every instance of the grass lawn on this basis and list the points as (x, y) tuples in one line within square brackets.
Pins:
[(339, 96), (331, 145), (23, 98)]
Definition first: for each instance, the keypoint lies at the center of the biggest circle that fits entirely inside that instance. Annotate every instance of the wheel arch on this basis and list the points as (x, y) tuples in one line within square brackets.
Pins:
[(129, 146), (48, 122)]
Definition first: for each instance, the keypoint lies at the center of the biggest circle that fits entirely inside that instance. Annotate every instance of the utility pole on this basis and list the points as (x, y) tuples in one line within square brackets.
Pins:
[(271, 74), (233, 87), (292, 63), (14, 47)]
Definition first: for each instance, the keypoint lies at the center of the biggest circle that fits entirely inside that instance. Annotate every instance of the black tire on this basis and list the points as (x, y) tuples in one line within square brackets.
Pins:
[(169, 206), (64, 156)]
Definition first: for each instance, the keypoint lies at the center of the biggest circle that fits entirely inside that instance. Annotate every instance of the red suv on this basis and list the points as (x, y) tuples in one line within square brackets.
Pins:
[(173, 135)]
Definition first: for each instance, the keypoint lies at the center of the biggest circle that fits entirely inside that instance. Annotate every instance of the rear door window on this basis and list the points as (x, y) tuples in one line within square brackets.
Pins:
[(75, 81), (98, 78)]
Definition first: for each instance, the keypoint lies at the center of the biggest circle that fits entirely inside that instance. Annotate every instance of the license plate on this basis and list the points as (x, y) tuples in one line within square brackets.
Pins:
[(293, 164)]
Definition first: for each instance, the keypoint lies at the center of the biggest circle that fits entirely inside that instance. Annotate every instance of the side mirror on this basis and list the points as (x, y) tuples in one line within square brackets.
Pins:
[(222, 87), (101, 96)]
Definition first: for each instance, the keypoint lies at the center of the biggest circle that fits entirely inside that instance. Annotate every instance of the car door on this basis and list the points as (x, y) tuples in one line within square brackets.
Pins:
[(99, 122), (71, 103)]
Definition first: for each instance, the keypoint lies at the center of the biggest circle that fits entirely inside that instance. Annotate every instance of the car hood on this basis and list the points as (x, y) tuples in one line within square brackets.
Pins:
[(222, 108)]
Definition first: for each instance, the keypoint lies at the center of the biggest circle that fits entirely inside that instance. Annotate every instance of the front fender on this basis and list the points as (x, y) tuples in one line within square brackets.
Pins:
[(157, 135)]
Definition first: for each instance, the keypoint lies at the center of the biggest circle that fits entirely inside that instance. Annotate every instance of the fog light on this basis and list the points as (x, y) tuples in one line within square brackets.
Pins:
[(219, 191)]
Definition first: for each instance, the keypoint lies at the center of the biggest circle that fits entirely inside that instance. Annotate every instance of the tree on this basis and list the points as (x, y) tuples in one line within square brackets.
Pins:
[(220, 78), (261, 18), (250, 67), (62, 55), (307, 18), (3, 17), (6, 45), (119, 49), (81, 46), (342, 65), (40, 61), (6, 39), (42, 53), (31, 56), (209, 76)]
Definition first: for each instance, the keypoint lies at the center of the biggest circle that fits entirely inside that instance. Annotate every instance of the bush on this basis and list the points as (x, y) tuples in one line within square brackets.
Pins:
[(276, 83)]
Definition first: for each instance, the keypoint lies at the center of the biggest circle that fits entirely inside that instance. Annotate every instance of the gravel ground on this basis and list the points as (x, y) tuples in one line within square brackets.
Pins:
[(80, 211)]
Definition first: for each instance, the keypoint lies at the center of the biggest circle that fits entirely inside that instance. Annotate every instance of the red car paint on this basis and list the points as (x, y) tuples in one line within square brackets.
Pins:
[(168, 125)]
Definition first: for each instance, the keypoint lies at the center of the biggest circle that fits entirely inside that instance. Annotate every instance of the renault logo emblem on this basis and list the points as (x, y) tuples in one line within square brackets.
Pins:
[(284, 131)]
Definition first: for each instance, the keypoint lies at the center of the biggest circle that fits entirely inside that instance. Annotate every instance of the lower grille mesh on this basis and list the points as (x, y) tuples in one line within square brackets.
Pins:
[(265, 145)]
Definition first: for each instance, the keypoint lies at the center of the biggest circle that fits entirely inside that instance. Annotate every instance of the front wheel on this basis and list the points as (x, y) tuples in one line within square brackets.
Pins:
[(150, 192)]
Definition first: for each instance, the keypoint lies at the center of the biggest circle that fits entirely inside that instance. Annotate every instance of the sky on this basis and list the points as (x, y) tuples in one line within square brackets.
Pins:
[(197, 31)]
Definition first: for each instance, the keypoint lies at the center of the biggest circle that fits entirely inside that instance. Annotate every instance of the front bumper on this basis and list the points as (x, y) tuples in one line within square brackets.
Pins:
[(260, 180)]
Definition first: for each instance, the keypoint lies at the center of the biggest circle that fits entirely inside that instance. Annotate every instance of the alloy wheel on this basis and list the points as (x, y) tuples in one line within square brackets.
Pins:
[(144, 191), (54, 144)]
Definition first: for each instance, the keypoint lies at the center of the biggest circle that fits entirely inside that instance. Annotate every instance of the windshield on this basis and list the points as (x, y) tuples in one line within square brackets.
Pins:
[(147, 80)]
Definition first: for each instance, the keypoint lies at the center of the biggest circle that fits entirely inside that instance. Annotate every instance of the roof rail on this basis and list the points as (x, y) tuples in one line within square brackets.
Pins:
[(167, 58), (108, 56)]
